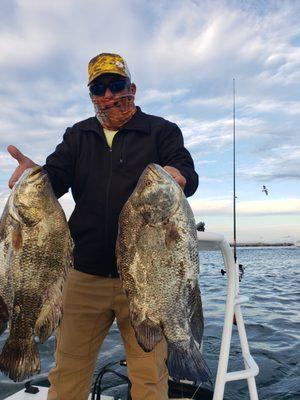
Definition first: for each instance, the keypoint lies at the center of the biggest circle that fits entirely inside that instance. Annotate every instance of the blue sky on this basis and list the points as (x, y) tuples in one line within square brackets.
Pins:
[(183, 56)]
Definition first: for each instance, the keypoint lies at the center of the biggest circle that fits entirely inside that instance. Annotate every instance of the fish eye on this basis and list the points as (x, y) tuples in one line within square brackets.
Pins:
[(148, 182), (38, 186)]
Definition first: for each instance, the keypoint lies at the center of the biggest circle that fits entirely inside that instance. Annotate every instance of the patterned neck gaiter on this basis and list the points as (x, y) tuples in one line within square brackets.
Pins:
[(114, 113)]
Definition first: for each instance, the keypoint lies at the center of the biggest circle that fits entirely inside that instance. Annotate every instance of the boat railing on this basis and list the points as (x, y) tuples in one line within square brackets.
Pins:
[(211, 241)]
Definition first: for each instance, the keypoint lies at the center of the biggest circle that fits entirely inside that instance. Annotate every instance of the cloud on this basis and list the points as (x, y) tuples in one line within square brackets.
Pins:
[(271, 105), (182, 41), (281, 163), (224, 207), (248, 104), (207, 161), (154, 95), (220, 102), (182, 56), (217, 133), (6, 162)]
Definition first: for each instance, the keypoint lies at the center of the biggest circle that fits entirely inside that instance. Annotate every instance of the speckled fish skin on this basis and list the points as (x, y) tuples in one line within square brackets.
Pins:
[(159, 268), (35, 257)]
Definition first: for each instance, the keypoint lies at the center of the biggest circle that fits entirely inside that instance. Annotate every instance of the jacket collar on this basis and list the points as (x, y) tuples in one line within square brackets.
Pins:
[(138, 122)]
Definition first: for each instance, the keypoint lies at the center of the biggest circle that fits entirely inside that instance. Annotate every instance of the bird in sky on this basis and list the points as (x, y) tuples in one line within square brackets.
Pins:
[(265, 190)]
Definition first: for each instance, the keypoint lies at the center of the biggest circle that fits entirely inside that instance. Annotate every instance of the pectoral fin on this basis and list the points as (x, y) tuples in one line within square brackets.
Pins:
[(17, 238), (148, 334), (171, 234)]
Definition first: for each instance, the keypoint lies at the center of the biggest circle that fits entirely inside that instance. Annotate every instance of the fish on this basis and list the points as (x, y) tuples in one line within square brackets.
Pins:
[(158, 264), (35, 257)]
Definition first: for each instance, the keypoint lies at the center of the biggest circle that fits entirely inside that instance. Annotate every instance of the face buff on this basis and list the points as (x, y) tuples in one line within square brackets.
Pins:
[(114, 113)]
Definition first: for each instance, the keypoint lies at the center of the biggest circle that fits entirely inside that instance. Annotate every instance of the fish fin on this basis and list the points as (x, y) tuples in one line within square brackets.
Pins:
[(171, 233), (20, 358), (148, 334), (3, 221), (17, 237), (50, 313), (47, 321), (3, 315), (197, 323), (186, 362)]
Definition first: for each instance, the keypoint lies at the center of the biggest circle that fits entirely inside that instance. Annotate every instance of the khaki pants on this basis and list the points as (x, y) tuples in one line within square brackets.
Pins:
[(91, 304)]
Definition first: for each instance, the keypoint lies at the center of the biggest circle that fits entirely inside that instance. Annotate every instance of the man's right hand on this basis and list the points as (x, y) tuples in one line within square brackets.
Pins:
[(24, 163)]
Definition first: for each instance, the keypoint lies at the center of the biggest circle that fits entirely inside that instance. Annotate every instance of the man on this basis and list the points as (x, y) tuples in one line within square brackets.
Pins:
[(101, 159)]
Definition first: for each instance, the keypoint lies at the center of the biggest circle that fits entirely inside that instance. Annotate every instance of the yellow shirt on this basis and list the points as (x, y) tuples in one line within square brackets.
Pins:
[(109, 136)]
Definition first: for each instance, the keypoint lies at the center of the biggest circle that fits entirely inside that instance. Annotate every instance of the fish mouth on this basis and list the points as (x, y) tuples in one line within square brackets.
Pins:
[(157, 173), (36, 174), (33, 175), (154, 170), (19, 196), (30, 174), (35, 170)]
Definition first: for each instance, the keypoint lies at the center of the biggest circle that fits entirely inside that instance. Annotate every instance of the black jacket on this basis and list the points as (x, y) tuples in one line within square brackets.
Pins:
[(102, 179)]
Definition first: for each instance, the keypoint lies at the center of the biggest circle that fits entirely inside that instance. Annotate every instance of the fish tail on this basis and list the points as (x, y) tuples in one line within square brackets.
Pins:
[(186, 362), (19, 358), (3, 315)]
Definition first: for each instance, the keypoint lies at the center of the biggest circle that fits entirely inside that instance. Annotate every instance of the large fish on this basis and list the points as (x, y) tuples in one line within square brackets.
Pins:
[(159, 268), (35, 256)]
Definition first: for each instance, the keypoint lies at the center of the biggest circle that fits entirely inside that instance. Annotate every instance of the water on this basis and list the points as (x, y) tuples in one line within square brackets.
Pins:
[(272, 318)]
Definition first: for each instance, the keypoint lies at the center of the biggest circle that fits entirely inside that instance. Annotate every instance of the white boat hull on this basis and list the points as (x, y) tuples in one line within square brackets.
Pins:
[(41, 395)]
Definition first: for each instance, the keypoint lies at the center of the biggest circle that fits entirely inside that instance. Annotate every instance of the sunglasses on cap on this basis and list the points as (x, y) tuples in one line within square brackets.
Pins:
[(99, 89)]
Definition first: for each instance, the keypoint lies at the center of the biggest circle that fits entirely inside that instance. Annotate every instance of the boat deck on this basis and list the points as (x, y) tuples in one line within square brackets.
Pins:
[(41, 395)]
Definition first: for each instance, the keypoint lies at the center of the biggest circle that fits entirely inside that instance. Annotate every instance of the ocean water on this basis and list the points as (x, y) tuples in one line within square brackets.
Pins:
[(272, 318)]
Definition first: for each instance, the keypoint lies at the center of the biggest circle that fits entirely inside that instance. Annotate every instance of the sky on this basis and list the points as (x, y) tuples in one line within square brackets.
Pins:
[(183, 56)]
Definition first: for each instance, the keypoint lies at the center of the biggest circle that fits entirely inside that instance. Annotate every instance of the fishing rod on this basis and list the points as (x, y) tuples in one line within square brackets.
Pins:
[(241, 268), (234, 193)]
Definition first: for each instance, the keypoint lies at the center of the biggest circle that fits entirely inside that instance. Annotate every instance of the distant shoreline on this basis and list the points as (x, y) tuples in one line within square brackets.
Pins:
[(264, 245)]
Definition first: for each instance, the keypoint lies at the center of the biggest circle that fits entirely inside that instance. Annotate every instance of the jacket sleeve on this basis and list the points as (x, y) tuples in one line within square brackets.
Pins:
[(172, 152), (60, 166)]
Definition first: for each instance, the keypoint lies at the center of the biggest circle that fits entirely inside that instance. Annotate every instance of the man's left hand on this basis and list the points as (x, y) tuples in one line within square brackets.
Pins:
[(175, 173)]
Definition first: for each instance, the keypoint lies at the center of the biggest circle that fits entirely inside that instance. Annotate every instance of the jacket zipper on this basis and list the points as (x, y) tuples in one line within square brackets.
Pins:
[(107, 200), (121, 160), (108, 188)]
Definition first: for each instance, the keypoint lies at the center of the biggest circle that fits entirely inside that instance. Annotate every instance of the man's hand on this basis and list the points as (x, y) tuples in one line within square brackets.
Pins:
[(175, 173), (24, 163)]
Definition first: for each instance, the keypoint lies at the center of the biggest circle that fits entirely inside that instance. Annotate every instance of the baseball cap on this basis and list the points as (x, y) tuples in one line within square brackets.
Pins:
[(106, 63)]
